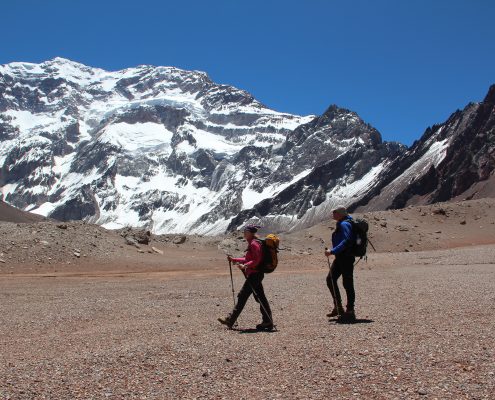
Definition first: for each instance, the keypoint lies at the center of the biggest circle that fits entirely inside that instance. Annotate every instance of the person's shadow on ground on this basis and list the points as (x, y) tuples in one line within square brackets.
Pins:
[(344, 321), (253, 330), (340, 321)]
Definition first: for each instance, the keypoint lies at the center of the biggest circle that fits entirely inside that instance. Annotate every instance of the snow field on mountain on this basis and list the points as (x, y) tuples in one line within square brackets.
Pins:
[(251, 197), (197, 200), (432, 157), (139, 137)]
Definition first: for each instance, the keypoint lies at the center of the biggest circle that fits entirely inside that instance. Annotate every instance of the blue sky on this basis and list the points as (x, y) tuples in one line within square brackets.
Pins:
[(401, 65)]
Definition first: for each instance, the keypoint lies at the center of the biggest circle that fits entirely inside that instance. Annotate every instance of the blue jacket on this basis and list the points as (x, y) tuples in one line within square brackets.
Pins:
[(343, 236)]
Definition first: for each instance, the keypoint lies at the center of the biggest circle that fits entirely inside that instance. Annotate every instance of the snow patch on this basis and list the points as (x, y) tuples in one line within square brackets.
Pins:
[(138, 137), (252, 197)]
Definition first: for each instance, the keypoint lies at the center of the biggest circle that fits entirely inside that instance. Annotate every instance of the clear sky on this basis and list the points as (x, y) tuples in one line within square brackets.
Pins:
[(401, 65)]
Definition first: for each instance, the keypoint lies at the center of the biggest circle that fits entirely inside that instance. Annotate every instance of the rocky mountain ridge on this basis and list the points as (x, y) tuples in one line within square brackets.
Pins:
[(451, 161), (171, 151)]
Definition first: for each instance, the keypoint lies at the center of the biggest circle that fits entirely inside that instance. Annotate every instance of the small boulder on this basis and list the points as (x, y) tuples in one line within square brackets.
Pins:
[(142, 237), (156, 250), (179, 239), (132, 242), (439, 211)]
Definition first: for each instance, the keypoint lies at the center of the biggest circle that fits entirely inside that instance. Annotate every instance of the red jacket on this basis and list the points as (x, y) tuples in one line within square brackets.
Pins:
[(253, 257)]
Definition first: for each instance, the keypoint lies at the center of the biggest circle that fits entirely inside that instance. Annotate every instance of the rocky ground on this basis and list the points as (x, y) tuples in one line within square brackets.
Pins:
[(432, 227), (92, 314)]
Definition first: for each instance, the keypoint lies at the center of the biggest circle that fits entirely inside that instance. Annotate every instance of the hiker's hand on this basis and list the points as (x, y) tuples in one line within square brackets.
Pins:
[(229, 258), (328, 253), (242, 267)]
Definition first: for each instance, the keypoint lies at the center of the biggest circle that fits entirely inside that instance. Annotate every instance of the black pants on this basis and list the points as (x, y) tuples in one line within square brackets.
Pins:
[(252, 284), (342, 265)]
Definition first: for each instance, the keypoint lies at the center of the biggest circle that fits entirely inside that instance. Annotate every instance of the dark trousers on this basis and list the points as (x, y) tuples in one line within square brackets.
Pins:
[(343, 265), (252, 285)]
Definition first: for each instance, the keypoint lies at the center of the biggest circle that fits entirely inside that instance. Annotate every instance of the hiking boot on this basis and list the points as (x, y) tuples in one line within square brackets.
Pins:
[(265, 326), (336, 312), (349, 314), (226, 321)]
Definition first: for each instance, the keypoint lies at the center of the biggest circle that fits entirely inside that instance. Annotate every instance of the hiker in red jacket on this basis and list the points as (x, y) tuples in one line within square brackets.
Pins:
[(251, 265)]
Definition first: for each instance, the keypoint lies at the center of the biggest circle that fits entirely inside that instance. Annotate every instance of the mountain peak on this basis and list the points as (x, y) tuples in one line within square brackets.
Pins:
[(334, 110), (490, 96), (61, 60)]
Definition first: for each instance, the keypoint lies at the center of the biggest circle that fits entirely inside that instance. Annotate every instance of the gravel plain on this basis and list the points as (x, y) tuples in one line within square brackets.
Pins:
[(84, 315), (425, 330)]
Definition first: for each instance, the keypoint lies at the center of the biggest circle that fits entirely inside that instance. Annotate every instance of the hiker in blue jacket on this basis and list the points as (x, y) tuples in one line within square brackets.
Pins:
[(343, 265)]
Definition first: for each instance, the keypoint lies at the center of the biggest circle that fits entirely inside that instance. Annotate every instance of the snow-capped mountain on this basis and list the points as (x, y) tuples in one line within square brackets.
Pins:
[(153, 146), (334, 159), (170, 150)]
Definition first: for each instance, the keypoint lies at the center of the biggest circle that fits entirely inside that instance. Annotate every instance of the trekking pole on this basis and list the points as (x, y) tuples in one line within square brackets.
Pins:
[(232, 285), (232, 281), (369, 241), (334, 294)]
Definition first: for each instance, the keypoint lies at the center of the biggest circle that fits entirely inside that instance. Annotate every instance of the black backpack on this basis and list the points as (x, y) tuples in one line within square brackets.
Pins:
[(360, 229)]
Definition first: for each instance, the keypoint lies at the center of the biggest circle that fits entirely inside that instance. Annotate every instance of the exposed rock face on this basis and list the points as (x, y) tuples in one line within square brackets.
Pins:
[(335, 158), (453, 160)]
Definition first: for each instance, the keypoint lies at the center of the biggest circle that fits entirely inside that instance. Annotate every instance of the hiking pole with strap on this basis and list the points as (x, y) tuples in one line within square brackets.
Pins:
[(334, 294)]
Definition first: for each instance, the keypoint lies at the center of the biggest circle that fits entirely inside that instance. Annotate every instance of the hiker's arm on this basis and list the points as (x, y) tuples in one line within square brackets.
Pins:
[(347, 234), (240, 260)]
